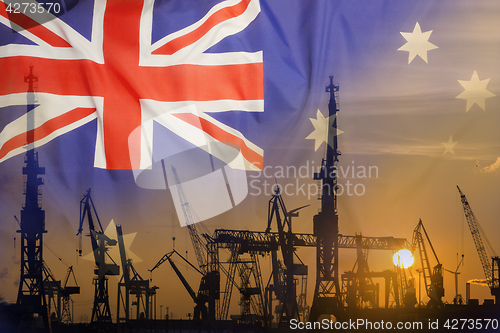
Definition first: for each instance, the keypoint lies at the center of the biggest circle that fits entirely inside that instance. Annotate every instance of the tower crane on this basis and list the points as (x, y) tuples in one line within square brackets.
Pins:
[(490, 263), (210, 282), (199, 245), (101, 312), (433, 276)]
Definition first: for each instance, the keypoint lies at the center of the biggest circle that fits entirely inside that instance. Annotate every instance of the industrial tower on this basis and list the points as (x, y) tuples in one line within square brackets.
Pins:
[(31, 295), (327, 297)]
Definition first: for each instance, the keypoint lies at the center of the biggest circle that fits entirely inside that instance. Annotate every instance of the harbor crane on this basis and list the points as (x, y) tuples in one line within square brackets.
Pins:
[(132, 285), (285, 289), (490, 263), (433, 276), (105, 265), (200, 310)]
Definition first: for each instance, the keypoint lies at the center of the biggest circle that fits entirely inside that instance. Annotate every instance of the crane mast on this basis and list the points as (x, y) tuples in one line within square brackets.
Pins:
[(31, 294), (198, 245), (210, 282), (132, 286), (490, 264), (327, 295), (476, 236)]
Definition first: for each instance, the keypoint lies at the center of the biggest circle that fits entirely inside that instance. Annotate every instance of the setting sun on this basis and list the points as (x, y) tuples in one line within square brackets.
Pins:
[(403, 258)]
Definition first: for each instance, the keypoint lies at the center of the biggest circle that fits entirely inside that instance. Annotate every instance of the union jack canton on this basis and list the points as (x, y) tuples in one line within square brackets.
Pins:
[(124, 80)]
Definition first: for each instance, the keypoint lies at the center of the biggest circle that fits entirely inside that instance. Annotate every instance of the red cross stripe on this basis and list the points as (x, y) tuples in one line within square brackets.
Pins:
[(123, 82)]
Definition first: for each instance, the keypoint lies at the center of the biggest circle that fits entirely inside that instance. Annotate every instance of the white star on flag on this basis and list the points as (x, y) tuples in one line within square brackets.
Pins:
[(448, 146), (417, 43), (475, 91), (114, 251), (321, 133)]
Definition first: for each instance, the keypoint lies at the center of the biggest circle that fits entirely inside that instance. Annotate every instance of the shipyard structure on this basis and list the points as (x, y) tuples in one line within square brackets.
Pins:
[(228, 263)]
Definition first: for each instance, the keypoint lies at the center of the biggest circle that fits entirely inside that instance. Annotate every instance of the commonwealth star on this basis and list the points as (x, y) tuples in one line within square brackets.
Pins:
[(323, 130)]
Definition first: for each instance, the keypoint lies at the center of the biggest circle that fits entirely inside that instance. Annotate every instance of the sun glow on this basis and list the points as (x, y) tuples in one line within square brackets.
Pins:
[(403, 258)]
